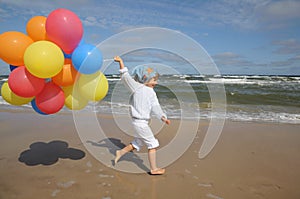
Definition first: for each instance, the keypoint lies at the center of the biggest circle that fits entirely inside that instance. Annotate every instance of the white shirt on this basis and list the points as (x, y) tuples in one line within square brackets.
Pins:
[(143, 100)]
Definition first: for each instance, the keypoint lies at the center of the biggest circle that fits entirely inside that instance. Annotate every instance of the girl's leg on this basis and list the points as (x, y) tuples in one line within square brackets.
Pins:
[(120, 153), (152, 159)]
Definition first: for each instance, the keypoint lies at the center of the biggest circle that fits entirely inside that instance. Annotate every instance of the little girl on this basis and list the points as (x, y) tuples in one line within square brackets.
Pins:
[(143, 101)]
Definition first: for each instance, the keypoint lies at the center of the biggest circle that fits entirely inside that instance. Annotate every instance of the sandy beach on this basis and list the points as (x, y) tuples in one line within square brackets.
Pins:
[(43, 157)]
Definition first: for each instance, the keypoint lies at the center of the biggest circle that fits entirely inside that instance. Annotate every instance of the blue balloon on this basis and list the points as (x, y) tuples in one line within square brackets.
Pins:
[(34, 106), (11, 67), (68, 56), (81, 42), (87, 58)]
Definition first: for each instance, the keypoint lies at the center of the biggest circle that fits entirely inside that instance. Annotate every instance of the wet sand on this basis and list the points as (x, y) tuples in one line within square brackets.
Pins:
[(43, 157)]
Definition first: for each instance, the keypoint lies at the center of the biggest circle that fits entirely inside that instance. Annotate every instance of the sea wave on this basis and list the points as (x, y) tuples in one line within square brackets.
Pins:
[(249, 97)]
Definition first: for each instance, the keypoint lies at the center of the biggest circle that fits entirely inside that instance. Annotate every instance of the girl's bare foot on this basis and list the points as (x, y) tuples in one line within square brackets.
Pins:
[(118, 156), (120, 153), (157, 171)]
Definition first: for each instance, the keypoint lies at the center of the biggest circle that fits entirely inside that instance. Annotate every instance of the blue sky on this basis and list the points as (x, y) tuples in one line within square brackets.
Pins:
[(242, 36)]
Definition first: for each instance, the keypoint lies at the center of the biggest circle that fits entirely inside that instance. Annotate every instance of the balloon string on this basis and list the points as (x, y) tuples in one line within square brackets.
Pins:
[(108, 59)]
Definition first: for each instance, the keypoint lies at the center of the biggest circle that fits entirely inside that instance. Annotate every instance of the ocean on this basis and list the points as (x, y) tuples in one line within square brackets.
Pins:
[(274, 99)]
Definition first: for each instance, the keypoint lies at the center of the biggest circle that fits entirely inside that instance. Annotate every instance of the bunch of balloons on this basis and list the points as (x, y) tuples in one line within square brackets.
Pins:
[(51, 66)]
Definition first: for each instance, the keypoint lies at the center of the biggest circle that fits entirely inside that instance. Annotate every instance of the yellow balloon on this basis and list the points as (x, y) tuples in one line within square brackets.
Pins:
[(44, 59), (94, 86), (73, 99), (11, 97)]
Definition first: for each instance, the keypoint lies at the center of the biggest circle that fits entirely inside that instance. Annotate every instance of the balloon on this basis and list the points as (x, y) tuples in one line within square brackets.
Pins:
[(13, 46), (51, 99), (94, 86), (87, 59), (36, 28), (43, 59), (11, 97), (34, 106), (12, 67), (67, 76), (73, 99), (67, 56), (24, 84), (64, 28)]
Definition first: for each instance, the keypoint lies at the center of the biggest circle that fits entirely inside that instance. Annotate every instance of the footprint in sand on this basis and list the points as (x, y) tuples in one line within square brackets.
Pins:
[(259, 186), (62, 185), (89, 164), (66, 184), (55, 192), (213, 196), (104, 184), (106, 176), (205, 185)]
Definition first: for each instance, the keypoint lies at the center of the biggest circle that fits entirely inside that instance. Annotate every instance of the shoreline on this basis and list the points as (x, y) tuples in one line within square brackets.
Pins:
[(250, 160), (110, 115)]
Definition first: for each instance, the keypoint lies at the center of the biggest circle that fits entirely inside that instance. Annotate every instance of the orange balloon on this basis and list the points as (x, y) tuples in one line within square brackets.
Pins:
[(36, 28), (13, 46), (67, 76)]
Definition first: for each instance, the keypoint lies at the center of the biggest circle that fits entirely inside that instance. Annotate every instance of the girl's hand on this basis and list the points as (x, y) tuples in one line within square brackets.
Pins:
[(166, 120), (118, 59)]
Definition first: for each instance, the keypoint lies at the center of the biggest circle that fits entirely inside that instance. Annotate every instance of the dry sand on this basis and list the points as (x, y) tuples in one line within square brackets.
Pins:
[(43, 157)]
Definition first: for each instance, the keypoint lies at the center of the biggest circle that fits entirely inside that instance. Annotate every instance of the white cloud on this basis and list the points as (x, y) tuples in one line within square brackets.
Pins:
[(231, 59), (94, 21), (236, 13), (279, 14), (292, 61), (244, 14), (289, 46), (231, 63), (227, 55), (286, 9), (4, 14), (50, 4)]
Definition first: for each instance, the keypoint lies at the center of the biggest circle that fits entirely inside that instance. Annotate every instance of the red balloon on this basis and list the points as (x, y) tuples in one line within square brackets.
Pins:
[(24, 84), (64, 28), (51, 99)]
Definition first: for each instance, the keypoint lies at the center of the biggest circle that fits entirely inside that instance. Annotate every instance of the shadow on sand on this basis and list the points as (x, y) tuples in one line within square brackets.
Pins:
[(113, 144), (49, 153)]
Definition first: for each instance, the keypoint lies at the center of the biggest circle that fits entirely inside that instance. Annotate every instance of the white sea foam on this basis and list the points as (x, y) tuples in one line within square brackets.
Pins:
[(113, 79), (250, 98)]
